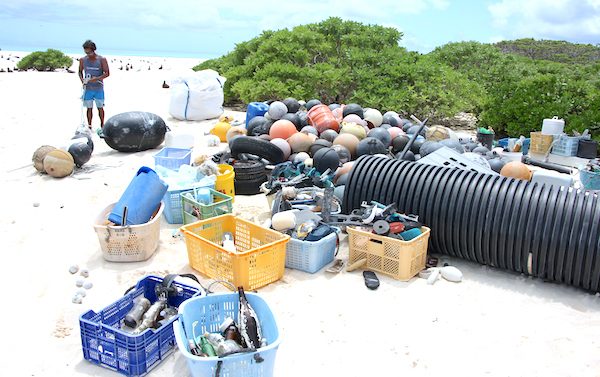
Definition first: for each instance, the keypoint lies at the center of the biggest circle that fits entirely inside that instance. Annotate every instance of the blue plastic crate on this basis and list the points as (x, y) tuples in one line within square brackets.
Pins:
[(590, 179), (310, 256), (565, 146), (173, 158), (173, 208), (210, 311), (105, 344)]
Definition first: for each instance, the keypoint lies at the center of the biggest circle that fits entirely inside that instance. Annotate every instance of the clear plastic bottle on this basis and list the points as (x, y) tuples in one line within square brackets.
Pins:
[(221, 345)]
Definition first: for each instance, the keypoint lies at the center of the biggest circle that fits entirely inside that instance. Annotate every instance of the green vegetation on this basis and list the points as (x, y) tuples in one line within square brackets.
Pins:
[(48, 60), (510, 86)]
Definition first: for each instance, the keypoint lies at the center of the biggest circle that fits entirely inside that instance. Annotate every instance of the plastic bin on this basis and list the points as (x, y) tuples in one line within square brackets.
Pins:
[(172, 201), (540, 143), (105, 344), (590, 179), (210, 311), (132, 243), (173, 158), (141, 197), (310, 256), (195, 211), (260, 256), (225, 181), (565, 146), (400, 259)]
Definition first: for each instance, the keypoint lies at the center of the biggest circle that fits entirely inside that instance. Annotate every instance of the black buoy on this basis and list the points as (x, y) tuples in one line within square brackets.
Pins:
[(399, 143), (370, 145), (353, 108), (326, 158), (390, 119), (294, 118), (382, 135), (453, 144), (313, 102), (292, 104)]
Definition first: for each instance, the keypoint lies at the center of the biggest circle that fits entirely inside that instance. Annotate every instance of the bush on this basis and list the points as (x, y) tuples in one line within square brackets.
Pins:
[(48, 60)]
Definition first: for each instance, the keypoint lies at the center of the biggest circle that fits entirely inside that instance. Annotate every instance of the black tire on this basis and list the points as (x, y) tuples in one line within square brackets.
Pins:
[(258, 147), (249, 187), (248, 168)]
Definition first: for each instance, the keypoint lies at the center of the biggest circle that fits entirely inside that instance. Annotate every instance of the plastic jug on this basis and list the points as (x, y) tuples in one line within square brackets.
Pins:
[(140, 199), (182, 140), (255, 109)]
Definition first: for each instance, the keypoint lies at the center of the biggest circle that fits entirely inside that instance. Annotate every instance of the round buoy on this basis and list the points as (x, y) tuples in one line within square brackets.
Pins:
[(349, 141), (470, 146), (310, 130), (277, 110), (408, 156), (429, 147), (334, 106), (453, 144), (301, 157), (58, 163), (220, 130), (294, 118), (353, 108), (292, 104), (255, 122), (373, 118), (284, 146), (389, 119), (480, 150), (326, 158), (282, 129), (81, 153), (343, 153), (416, 146), (329, 135), (496, 164), (318, 144), (371, 146), (354, 129), (235, 131), (399, 142), (303, 116), (516, 169), (344, 169), (395, 131), (38, 157), (299, 142), (382, 135), (342, 180), (310, 104), (437, 133)]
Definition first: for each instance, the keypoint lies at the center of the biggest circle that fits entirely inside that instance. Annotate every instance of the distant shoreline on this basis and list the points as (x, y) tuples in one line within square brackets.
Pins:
[(113, 52)]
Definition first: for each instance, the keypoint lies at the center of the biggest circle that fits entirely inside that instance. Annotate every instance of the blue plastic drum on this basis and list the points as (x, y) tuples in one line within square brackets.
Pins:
[(255, 109)]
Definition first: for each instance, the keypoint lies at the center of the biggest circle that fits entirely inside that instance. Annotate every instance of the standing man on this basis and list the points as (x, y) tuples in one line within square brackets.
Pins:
[(93, 69)]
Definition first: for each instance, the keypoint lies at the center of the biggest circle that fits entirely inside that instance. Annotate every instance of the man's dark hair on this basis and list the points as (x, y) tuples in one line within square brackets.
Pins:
[(89, 44)]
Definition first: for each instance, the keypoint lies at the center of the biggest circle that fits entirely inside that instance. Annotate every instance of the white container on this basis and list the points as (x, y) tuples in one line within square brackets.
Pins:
[(550, 177), (174, 139), (512, 156), (133, 243), (553, 126)]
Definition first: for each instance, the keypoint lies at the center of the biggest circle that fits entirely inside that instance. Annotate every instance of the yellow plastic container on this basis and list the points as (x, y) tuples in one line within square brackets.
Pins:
[(259, 258), (400, 259), (540, 143), (225, 181)]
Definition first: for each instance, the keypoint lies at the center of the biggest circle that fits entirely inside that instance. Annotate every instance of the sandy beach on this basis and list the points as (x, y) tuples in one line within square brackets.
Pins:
[(494, 323)]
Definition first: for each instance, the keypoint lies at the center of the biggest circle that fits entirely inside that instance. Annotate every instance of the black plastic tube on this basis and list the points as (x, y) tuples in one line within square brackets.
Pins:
[(493, 220)]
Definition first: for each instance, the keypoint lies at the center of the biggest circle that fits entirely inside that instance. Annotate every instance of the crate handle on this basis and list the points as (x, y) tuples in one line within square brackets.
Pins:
[(257, 358), (223, 283)]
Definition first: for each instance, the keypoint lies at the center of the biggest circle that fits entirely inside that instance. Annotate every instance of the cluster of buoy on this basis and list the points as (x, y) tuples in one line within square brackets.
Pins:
[(60, 163)]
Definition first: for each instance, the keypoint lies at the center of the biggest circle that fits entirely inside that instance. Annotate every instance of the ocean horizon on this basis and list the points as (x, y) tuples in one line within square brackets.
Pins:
[(114, 52)]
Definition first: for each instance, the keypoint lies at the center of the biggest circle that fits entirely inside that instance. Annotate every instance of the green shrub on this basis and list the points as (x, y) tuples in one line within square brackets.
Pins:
[(48, 60)]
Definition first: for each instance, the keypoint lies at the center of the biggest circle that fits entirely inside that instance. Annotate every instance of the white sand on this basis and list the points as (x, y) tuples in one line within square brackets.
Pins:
[(494, 323)]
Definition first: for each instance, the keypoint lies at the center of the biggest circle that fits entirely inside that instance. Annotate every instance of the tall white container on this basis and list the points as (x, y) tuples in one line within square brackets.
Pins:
[(553, 126), (176, 139)]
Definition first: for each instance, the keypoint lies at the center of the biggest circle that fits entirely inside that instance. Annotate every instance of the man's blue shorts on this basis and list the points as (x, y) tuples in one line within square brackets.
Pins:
[(92, 96)]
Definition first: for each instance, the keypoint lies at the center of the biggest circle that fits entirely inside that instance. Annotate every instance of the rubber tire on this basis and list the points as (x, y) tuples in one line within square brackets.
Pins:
[(258, 147), (249, 187)]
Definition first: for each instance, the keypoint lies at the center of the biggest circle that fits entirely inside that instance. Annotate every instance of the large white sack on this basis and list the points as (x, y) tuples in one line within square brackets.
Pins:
[(197, 95)]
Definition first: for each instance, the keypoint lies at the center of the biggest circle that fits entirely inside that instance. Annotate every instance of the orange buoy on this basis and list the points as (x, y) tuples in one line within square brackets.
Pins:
[(516, 169)]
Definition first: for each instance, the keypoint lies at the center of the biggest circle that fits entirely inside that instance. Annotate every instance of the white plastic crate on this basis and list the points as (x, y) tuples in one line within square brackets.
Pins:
[(565, 146), (132, 243), (310, 256), (449, 158)]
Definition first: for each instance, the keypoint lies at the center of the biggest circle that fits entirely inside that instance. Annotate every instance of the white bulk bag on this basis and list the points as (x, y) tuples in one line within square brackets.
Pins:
[(197, 95)]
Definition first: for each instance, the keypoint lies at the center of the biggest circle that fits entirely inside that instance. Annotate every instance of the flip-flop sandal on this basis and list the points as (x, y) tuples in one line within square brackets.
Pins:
[(371, 280)]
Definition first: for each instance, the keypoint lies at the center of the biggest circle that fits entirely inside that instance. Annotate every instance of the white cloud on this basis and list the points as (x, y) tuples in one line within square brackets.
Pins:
[(573, 20), (194, 14)]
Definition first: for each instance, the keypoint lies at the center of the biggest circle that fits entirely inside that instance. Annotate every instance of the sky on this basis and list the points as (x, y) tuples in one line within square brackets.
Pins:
[(207, 29)]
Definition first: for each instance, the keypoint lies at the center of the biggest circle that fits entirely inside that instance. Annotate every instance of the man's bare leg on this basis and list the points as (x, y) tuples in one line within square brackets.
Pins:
[(89, 117), (101, 114)]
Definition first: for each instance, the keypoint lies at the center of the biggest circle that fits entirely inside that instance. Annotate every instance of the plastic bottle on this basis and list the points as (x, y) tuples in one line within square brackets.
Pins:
[(221, 345), (193, 349), (231, 332), (228, 242), (249, 324), (165, 316), (134, 317), (206, 347)]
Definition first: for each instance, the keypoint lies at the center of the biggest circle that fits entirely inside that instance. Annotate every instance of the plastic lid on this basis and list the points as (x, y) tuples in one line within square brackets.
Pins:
[(226, 323)]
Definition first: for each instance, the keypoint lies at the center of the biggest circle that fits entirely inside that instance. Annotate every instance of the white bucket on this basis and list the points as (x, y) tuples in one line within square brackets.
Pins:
[(182, 140), (553, 126)]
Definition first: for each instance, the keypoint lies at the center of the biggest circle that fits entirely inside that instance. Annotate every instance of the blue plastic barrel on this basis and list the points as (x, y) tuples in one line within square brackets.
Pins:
[(255, 109), (141, 198)]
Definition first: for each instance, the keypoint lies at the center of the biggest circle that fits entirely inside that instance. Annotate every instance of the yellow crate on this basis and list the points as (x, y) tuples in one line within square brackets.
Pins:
[(400, 259), (260, 256), (540, 143)]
